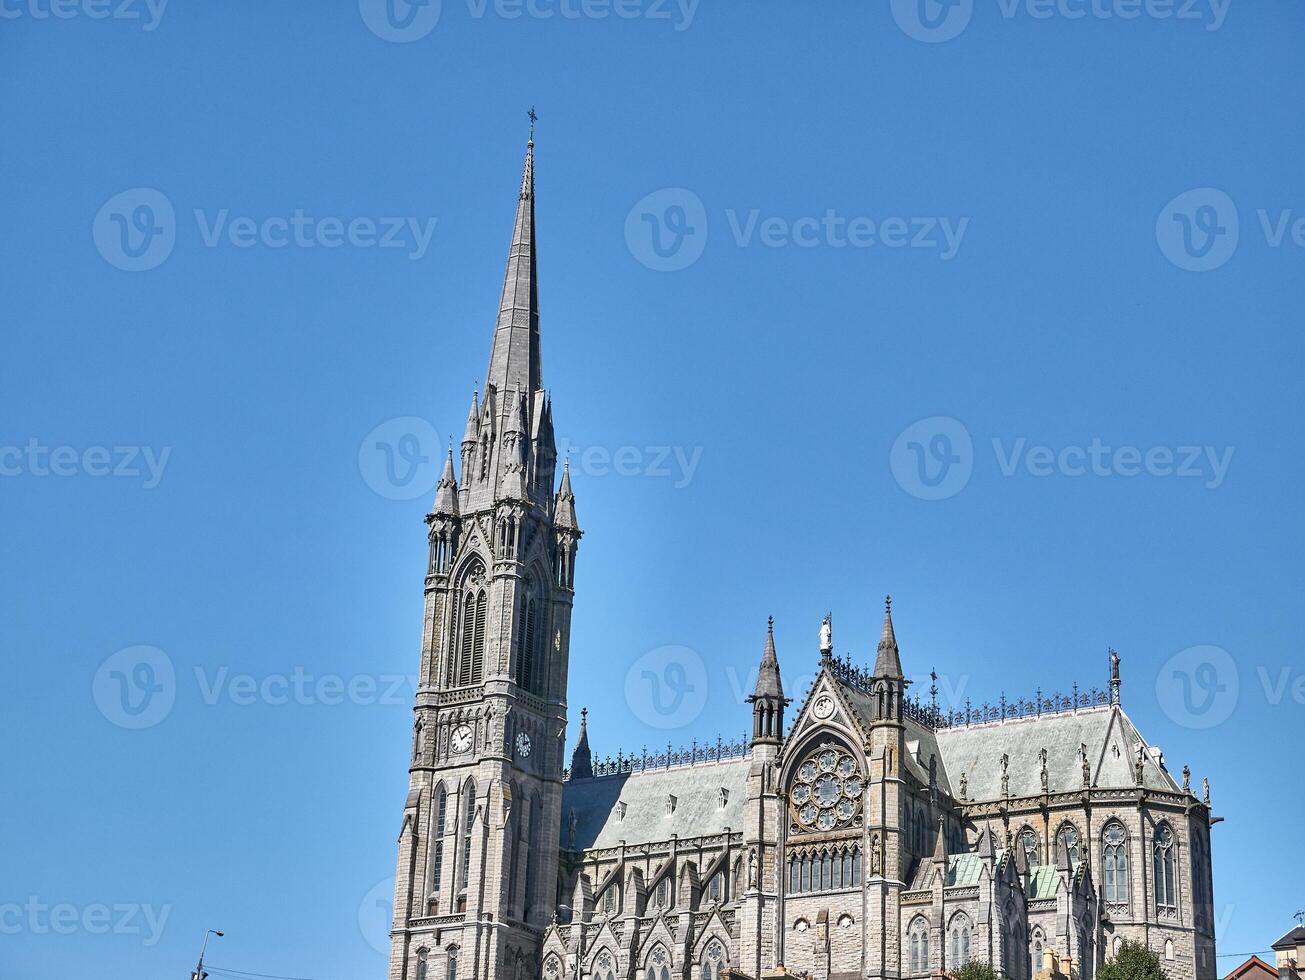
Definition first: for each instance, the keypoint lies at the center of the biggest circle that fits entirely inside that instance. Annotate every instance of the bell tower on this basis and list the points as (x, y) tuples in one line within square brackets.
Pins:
[(477, 863)]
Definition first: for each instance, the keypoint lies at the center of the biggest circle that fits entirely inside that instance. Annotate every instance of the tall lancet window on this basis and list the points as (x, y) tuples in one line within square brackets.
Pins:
[(1115, 864), (437, 838), (468, 818), (528, 670), (1166, 893), (471, 628)]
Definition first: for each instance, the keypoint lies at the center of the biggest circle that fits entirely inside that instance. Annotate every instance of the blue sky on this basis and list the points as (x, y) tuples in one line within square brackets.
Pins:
[(800, 396)]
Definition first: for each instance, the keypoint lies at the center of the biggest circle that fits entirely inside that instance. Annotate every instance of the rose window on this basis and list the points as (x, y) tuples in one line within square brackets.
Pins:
[(826, 794)]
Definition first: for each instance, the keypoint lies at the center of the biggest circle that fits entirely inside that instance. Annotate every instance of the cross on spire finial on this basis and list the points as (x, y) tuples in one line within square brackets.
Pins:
[(534, 117)]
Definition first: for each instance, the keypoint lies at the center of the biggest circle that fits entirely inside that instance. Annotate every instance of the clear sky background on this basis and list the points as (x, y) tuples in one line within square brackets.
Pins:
[(271, 545)]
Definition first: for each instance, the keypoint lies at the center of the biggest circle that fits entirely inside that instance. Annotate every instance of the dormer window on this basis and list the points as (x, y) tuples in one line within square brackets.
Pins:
[(722, 798), (610, 899), (620, 810), (671, 800)]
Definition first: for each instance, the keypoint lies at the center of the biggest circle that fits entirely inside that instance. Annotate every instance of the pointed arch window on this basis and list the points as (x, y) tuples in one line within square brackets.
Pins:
[(716, 890), (713, 959), (532, 857), (437, 838), (471, 635), (530, 673), (658, 964), (1068, 835), (468, 818), (611, 898), (1166, 894), (664, 893), (1114, 864), (423, 957), (604, 966), (452, 973), (1029, 841), (918, 943), (1036, 943), (959, 939)]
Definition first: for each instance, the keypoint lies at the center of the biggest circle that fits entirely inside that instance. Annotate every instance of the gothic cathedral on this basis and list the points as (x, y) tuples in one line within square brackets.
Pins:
[(875, 837)]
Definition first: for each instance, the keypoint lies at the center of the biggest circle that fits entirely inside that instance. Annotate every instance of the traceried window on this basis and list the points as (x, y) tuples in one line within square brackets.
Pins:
[(826, 792), (1068, 835), (1166, 893), (604, 966), (713, 959), (423, 964), (959, 941), (1036, 943), (658, 964), (1114, 864), (452, 973), (918, 944), (829, 868), (1029, 841)]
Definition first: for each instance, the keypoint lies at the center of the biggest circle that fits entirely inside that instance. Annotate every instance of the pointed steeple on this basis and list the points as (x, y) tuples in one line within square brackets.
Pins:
[(887, 662), (564, 515), (769, 684), (582, 762), (446, 491), (514, 360), (768, 699)]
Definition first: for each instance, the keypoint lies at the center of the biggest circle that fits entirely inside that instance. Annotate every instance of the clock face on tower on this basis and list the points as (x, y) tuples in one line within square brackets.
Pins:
[(523, 745), (462, 739)]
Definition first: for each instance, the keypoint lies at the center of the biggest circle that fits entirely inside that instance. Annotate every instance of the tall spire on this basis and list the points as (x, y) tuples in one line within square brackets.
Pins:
[(887, 662), (514, 360)]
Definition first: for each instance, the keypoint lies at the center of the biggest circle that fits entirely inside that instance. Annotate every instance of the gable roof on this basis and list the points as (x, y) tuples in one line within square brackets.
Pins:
[(1111, 739), (1294, 938), (1254, 969)]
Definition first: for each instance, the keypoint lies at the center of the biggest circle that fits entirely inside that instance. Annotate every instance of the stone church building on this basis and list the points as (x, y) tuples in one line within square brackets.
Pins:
[(863, 833)]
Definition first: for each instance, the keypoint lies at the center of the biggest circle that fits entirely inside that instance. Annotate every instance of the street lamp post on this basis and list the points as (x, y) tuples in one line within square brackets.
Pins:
[(199, 973)]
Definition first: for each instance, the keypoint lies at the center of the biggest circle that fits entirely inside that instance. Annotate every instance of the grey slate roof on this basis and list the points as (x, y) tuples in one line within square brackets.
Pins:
[(977, 751), (1293, 939), (697, 812)]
